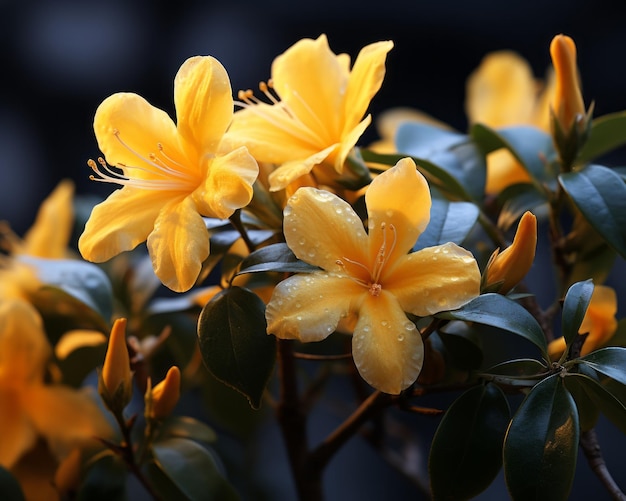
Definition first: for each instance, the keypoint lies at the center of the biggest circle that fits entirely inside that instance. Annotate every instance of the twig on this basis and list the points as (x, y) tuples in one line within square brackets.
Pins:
[(591, 448)]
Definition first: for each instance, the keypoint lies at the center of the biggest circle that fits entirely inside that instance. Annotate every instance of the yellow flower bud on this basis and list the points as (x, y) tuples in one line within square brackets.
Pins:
[(511, 265), (116, 378), (568, 101), (165, 395)]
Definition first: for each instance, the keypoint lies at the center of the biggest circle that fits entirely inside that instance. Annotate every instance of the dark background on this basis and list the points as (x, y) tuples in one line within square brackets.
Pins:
[(60, 59)]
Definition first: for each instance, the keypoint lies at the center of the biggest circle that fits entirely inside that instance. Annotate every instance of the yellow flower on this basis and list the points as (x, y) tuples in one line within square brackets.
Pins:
[(370, 279), (316, 109), (568, 102), (30, 409), (117, 385), (599, 321), (503, 92), (511, 265), (172, 174)]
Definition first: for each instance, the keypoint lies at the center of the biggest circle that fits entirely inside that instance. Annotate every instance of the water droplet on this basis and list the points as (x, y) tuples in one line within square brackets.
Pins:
[(400, 337), (389, 213), (311, 253), (299, 318), (434, 258), (298, 305), (366, 328), (302, 240), (329, 328), (339, 210), (409, 326), (384, 323)]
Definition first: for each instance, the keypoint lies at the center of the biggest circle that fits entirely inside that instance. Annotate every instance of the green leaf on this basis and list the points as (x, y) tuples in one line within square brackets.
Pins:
[(607, 133), (10, 487), (601, 398), (466, 452), (574, 308), (600, 195), (533, 148), (187, 427), (463, 345), (517, 199), (498, 311), (449, 222), (84, 281), (192, 469), (234, 344), (277, 258), (105, 480), (518, 368), (610, 361), (541, 444)]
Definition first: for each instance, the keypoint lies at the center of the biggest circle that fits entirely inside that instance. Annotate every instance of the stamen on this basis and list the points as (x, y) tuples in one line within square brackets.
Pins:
[(383, 256), (362, 283)]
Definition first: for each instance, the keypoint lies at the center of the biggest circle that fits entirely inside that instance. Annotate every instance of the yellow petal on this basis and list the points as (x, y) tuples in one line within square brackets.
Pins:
[(502, 91), (129, 129), (556, 348), (204, 103), (599, 320), (309, 79), (120, 223), (321, 228), (18, 434), (178, 245), (365, 80), (387, 348), (503, 170), (349, 141), (227, 185), (75, 339), (434, 279), (50, 234), (289, 172), (400, 197), (309, 306)]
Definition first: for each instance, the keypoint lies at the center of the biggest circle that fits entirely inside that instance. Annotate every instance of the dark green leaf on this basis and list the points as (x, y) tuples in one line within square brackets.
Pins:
[(498, 311), (105, 480), (275, 257), (9, 487), (588, 411), (187, 427), (532, 147), (610, 361), (517, 199), (607, 133), (466, 452), (234, 344), (600, 195), (463, 345), (541, 445), (192, 469), (518, 368), (574, 308), (449, 222)]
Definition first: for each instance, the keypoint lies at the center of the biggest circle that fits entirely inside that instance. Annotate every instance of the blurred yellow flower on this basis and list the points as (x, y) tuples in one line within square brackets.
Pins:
[(172, 174), (369, 280), (315, 112), (30, 409), (599, 321), (510, 266)]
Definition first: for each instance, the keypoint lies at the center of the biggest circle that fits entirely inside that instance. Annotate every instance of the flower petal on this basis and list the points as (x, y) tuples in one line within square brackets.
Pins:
[(204, 103), (349, 141), (434, 279), (599, 320), (178, 245), (310, 80), (309, 306), (120, 223), (321, 228), (287, 173), (129, 129), (387, 347), (503, 170), (502, 91), (228, 184), (400, 197), (18, 434), (365, 80)]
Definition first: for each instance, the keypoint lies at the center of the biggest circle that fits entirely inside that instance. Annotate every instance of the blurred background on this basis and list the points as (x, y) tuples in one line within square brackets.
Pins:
[(60, 58)]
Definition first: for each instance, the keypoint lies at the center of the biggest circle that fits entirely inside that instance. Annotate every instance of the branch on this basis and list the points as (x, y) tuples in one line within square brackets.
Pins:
[(591, 448)]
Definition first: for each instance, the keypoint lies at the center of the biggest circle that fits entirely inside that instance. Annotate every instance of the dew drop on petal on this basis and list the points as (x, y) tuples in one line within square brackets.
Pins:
[(400, 337), (409, 326)]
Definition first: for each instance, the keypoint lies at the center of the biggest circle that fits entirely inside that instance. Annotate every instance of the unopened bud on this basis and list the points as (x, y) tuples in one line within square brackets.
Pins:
[(568, 101), (165, 395), (507, 268), (116, 378)]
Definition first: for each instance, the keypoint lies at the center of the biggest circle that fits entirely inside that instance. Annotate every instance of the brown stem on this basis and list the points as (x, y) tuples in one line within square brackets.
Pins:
[(235, 220), (591, 448)]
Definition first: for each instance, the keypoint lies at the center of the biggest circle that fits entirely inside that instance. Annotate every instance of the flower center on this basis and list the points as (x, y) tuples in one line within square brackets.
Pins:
[(161, 171), (373, 285), (288, 121)]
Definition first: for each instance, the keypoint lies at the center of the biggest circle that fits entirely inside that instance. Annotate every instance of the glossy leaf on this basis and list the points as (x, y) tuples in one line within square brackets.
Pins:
[(532, 147), (466, 452), (192, 469), (610, 361), (574, 308), (234, 344), (275, 257), (600, 195), (463, 345), (10, 487), (498, 311), (607, 133), (518, 368), (449, 222), (517, 199), (541, 444), (187, 427)]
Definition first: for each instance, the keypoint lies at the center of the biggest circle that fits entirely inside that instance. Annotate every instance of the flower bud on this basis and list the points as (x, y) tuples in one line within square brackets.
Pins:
[(165, 395), (568, 101), (116, 379), (507, 268)]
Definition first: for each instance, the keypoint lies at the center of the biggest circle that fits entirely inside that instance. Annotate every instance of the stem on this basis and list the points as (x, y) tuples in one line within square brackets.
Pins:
[(591, 448), (235, 220)]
